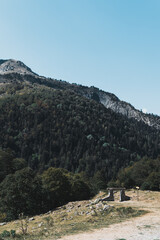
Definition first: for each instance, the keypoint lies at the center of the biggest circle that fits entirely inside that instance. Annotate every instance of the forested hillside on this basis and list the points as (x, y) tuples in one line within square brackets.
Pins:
[(59, 145), (62, 129)]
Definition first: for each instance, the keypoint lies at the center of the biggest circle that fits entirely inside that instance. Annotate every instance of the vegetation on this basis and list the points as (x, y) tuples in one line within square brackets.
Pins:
[(57, 146), (54, 128), (30, 194), (72, 218), (144, 173)]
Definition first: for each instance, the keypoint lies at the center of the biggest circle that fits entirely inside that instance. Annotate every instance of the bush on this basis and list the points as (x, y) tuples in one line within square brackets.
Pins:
[(20, 192), (145, 186), (57, 186), (13, 233), (5, 233)]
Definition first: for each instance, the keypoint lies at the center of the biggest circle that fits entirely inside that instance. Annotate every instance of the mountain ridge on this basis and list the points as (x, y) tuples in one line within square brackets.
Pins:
[(10, 68)]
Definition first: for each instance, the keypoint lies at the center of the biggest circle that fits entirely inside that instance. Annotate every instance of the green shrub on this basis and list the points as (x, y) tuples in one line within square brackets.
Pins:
[(5, 233), (13, 233)]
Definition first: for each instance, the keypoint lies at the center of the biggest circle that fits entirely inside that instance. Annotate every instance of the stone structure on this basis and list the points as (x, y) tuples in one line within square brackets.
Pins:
[(123, 197), (110, 196)]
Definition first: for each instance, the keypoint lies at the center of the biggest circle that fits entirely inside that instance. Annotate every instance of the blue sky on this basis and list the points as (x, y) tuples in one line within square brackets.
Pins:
[(110, 44)]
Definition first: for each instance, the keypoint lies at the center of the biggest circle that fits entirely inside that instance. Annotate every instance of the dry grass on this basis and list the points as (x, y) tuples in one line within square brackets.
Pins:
[(83, 216)]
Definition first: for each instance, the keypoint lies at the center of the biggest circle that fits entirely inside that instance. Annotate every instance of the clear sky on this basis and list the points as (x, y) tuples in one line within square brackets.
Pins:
[(110, 44)]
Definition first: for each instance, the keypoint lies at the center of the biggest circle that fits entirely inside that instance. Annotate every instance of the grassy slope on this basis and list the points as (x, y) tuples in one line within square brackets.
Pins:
[(82, 216)]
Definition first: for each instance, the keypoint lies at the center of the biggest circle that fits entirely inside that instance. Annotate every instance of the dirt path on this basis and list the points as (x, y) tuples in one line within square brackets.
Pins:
[(146, 227)]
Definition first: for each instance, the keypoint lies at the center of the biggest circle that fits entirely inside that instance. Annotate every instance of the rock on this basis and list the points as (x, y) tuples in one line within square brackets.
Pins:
[(48, 212), (91, 207), (3, 223), (106, 207), (75, 213), (104, 199), (94, 213), (31, 219), (87, 205), (40, 224), (81, 213), (97, 201), (99, 205)]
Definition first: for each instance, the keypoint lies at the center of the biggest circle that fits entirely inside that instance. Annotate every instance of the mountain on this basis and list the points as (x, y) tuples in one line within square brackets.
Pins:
[(16, 71), (48, 127), (53, 123)]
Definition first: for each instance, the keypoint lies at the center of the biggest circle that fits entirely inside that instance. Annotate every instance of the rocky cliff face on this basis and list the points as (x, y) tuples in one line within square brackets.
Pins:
[(109, 100), (12, 69), (128, 110), (13, 66)]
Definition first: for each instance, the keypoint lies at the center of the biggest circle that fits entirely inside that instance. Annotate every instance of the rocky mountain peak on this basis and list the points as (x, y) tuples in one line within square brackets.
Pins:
[(14, 66)]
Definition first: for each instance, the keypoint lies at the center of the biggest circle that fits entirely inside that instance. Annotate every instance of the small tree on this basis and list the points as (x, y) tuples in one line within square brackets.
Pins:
[(57, 186), (20, 192), (23, 224)]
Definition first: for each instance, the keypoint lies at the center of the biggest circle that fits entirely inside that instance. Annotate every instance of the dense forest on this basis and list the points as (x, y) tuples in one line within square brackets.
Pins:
[(54, 142), (61, 129)]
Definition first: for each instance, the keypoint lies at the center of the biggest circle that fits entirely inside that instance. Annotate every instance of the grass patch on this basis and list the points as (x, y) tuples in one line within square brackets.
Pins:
[(147, 226), (121, 239), (75, 217), (61, 222)]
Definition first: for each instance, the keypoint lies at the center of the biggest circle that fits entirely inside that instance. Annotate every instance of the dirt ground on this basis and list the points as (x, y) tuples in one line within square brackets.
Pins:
[(146, 227)]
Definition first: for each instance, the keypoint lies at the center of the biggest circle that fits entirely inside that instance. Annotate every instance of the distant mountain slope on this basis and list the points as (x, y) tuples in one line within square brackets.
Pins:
[(54, 123), (12, 71), (124, 108)]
